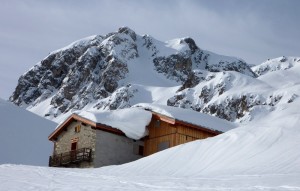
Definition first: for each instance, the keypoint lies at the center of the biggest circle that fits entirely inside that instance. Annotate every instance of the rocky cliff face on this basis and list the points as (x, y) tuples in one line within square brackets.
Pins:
[(123, 68)]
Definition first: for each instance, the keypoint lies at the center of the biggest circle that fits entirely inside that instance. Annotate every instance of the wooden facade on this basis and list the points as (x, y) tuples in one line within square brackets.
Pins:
[(165, 132)]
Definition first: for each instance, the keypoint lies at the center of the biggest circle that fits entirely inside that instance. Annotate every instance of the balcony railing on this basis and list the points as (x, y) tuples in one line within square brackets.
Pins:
[(71, 157)]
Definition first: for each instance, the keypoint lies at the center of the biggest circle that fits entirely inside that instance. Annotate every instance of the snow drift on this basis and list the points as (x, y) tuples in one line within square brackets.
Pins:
[(122, 120), (23, 138)]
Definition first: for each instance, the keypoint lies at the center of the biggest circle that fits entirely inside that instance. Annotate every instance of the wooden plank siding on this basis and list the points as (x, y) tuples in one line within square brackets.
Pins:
[(176, 134), (192, 132), (151, 145), (164, 128), (181, 139), (159, 131)]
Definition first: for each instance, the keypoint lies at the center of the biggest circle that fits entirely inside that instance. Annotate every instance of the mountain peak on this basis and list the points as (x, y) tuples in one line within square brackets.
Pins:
[(128, 31), (110, 72), (191, 43)]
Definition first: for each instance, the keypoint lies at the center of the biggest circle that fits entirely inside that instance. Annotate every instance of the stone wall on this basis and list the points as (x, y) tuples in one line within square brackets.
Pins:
[(108, 148), (86, 139), (112, 149)]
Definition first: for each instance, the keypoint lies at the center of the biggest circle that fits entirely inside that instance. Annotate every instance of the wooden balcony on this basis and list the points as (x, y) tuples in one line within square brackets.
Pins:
[(71, 158)]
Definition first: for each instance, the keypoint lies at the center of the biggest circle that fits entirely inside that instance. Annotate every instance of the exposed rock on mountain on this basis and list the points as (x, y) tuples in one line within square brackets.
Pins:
[(271, 65), (123, 68), (236, 97)]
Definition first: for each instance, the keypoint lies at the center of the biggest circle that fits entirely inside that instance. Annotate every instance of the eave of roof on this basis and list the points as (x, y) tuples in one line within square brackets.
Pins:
[(108, 128), (93, 124), (175, 121)]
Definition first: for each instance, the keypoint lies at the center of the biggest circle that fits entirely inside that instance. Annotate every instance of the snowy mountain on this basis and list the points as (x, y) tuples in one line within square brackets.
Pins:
[(23, 138), (121, 69), (262, 154)]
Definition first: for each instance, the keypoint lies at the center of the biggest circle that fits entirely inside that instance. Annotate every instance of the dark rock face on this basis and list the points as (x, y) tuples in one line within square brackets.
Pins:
[(191, 43), (238, 66), (214, 96), (231, 108), (175, 67), (75, 75), (191, 82), (118, 100)]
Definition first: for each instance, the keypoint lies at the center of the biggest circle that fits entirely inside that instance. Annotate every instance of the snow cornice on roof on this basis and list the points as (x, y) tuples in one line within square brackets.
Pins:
[(175, 121), (133, 122), (75, 117), (189, 117)]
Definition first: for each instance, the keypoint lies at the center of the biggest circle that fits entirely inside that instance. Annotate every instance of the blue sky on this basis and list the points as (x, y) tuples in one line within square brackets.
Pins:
[(252, 30)]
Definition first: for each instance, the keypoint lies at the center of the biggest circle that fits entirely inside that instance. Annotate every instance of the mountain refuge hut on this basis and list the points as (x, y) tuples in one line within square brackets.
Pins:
[(96, 139)]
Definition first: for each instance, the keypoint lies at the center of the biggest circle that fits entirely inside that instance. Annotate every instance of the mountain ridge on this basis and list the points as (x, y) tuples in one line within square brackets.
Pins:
[(122, 68)]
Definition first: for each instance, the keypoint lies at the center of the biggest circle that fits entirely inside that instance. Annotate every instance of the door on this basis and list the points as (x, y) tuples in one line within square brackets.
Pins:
[(73, 146), (73, 151)]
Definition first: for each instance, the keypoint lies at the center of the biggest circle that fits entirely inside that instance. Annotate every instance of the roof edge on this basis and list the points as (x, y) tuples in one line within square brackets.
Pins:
[(73, 116), (93, 124), (173, 121)]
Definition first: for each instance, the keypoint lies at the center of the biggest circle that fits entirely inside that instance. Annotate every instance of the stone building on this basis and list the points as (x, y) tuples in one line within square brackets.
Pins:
[(95, 139)]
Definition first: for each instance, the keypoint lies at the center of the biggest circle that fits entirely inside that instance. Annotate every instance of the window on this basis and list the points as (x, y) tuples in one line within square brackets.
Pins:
[(138, 149), (141, 150), (73, 146), (74, 142), (163, 145), (157, 123), (77, 128)]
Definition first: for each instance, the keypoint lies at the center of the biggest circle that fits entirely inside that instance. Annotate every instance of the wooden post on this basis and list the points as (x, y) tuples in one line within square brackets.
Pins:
[(60, 158), (90, 155)]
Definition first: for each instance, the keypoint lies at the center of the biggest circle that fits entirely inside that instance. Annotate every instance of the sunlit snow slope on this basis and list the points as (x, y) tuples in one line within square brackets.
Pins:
[(23, 137), (267, 145)]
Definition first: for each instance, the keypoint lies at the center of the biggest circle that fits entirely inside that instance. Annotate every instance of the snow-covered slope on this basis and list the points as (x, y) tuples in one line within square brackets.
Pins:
[(13, 178), (262, 155), (237, 97), (266, 145), (271, 65), (23, 138), (117, 71)]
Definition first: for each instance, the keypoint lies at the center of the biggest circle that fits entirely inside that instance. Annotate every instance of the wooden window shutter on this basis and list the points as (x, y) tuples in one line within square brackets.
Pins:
[(77, 128)]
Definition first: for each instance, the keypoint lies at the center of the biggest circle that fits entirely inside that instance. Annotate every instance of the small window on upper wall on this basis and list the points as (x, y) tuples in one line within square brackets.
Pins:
[(157, 123), (77, 128)]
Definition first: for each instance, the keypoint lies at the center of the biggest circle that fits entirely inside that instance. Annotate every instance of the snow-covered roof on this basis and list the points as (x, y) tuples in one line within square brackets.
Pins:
[(131, 121), (189, 116)]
